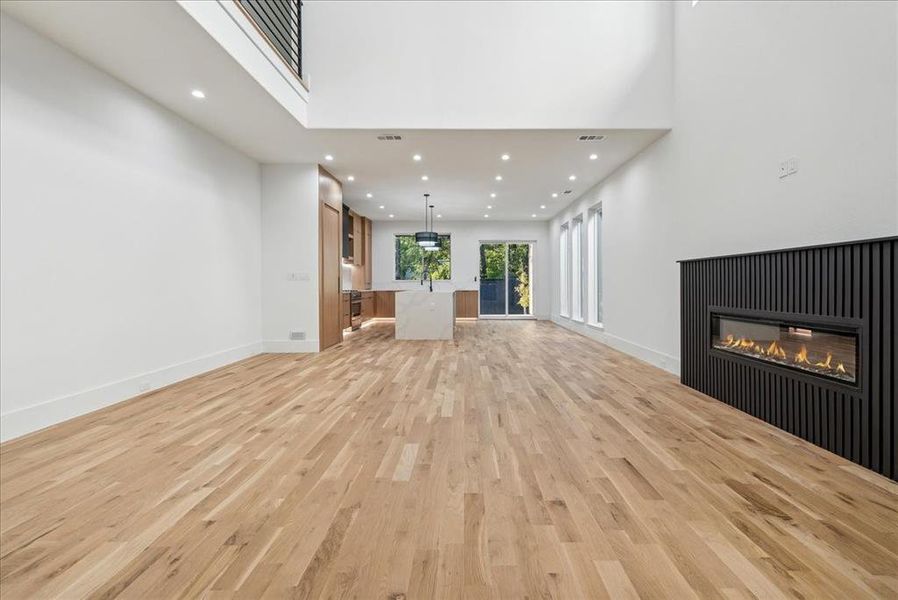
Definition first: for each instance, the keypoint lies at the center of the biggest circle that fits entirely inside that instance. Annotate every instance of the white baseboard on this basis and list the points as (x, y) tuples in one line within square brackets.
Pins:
[(16, 423), (661, 360), (289, 346)]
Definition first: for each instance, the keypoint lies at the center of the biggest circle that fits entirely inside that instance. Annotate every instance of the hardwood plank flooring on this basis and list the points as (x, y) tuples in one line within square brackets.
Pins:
[(518, 461)]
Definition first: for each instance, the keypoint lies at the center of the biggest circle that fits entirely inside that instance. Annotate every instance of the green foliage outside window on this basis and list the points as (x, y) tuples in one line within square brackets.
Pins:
[(519, 265), (492, 268), (411, 259)]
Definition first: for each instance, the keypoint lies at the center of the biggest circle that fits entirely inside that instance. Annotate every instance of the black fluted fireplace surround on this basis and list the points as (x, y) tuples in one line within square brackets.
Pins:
[(804, 339)]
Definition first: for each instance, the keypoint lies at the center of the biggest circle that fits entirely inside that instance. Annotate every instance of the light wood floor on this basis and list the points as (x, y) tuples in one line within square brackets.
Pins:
[(520, 461)]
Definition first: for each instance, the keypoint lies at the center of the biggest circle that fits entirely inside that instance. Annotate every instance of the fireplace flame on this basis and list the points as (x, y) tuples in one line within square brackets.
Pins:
[(825, 363), (775, 351)]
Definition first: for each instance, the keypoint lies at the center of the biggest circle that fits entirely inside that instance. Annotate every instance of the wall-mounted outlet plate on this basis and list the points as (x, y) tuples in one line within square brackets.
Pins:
[(788, 167)]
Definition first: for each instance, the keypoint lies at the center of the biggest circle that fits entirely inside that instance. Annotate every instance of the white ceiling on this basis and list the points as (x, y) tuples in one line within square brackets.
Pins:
[(173, 55), (461, 167)]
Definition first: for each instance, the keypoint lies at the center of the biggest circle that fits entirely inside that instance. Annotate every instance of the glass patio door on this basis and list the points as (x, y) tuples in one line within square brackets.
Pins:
[(505, 279)]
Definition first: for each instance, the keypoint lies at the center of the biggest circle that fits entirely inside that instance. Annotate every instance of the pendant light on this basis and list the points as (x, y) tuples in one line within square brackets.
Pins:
[(426, 238), (436, 244)]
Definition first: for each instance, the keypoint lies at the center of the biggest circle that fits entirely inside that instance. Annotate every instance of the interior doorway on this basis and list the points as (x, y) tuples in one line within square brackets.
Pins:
[(506, 279)]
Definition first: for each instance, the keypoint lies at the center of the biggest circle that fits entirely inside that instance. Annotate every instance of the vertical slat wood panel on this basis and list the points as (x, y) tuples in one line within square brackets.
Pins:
[(854, 281)]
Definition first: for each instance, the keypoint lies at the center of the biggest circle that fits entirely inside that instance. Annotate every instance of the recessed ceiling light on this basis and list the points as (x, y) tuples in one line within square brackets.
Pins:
[(328, 157), (369, 195), (351, 178), (200, 94), (489, 207), (493, 195), (486, 216), (572, 177), (554, 194), (391, 216), (424, 177), (381, 207), (542, 206), (498, 178), (416, 157), (593, 156), (533, 215), (439, 216), (505, 157)]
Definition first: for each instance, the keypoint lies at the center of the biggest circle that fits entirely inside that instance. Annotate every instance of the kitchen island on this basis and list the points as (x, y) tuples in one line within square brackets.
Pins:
[(425, 315)]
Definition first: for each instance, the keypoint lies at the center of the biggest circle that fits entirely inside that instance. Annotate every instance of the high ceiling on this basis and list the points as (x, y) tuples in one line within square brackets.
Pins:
[(461, 169), (175, 55)]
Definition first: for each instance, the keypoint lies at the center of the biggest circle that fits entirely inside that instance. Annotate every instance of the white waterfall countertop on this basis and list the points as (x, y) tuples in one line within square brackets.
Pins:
[(424, 315)]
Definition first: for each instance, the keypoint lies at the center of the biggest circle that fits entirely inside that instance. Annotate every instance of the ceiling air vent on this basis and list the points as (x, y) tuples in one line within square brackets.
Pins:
[(390, 137), (566, 192), (590, 138)]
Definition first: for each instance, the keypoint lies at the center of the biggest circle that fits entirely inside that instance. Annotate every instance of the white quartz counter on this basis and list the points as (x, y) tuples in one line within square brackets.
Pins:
[(424, 315)]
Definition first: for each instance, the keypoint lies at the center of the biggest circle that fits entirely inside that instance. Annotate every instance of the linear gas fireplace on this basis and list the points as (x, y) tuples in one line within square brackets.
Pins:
[(819, 350), (805, 339)]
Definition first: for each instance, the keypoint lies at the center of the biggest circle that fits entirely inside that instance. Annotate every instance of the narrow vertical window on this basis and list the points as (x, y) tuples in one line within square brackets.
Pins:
[(595, 265), (576, 269), (564, 272)]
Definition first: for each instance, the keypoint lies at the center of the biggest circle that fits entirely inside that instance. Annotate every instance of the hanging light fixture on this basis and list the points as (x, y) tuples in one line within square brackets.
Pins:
[(426, 238), (437, 244)]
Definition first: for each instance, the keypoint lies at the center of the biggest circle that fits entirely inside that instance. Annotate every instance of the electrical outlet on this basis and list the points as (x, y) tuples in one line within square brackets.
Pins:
[(788, 167)]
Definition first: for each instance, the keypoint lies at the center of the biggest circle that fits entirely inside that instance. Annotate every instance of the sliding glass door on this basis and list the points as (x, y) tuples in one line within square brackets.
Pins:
[(505, 279)]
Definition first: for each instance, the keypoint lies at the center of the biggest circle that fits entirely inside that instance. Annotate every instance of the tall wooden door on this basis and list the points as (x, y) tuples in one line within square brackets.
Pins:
[(331, 332)]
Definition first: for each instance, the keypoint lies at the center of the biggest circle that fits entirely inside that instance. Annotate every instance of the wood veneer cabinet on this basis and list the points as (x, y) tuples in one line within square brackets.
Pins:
[(346, 310), (358, 258), (367, 252), (330, 207), (367, 306), (385, 304), (466, 304)]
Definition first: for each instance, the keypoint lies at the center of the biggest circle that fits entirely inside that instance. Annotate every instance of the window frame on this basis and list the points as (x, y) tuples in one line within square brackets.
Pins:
[(595, 286), (564, 289), (576, 268), (448, 260)]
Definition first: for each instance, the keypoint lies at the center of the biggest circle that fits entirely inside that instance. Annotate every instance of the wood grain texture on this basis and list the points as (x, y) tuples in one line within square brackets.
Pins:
[(467, 304), (385, 304), (330, 234), (518, 461)]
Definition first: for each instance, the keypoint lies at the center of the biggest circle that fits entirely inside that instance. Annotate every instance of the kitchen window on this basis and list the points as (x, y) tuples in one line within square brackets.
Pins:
[(410, 259)]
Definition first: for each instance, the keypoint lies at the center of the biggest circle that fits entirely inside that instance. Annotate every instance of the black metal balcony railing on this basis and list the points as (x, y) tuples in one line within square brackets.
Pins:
[(281, 22)]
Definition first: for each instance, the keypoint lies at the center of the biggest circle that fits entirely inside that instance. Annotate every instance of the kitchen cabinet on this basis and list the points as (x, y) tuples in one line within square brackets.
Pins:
[(385, 304), (357, 241), (346, 314), (368, 259), (368, 311), (466, 304), (346, 239)]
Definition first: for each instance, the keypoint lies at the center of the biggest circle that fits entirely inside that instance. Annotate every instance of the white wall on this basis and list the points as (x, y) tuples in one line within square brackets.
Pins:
[(488, 65), (756, 83), (129, 240), (466, 237), (243, 41), (290, 257)]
